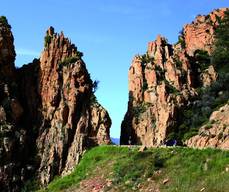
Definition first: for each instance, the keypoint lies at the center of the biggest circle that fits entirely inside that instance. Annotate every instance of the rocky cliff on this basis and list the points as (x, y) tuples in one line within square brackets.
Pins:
[(170, 85), (48, 112), (11, 131)]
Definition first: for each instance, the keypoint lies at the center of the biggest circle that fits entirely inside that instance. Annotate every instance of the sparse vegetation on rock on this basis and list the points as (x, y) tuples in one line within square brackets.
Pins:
[(4, 21), (47, 40)]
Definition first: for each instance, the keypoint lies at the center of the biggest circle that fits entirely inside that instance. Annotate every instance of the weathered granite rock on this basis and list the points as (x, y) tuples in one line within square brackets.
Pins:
[(215, 133), (48, 112), (200, 34), (208, 76), (156, 83), (165, 81), (71, 122)]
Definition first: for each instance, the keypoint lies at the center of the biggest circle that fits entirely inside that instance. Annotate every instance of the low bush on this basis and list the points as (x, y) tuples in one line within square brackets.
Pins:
[(145, 58), (4, 21), (203, 59), (47, 40), (72, 59)]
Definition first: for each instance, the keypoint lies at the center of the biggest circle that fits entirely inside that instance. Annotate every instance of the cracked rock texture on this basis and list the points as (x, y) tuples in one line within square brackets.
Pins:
[(165, 81), (215, 133), (48, 112)]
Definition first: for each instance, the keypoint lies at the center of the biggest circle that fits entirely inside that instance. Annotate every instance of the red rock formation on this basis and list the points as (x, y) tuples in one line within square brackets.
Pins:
[(152, 108), (71, 122), (50, 116), (163, 82), (200, 34)]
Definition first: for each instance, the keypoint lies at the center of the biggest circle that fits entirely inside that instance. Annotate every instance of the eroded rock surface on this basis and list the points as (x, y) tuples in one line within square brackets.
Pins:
[(200, 33), (12, 134), (165, 82), (215, 133), (48, 112)]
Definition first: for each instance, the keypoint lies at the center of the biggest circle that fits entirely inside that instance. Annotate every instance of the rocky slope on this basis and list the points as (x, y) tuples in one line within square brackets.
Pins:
[(48, 112), (215, 133), (166, 83)]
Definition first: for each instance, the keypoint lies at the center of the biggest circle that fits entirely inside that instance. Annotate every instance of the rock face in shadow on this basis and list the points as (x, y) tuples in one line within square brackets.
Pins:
[(49, 114), (12, 133), (165, 82)]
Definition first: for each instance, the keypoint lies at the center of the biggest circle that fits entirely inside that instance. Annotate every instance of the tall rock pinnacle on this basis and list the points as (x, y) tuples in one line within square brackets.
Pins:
[(49, 114), (164, 82)]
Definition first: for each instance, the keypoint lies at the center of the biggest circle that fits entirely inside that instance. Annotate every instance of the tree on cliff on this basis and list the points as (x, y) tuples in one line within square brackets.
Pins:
[(221, 51)]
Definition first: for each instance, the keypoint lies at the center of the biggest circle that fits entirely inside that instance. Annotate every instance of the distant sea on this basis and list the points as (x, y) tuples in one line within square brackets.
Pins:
[(116, 141)]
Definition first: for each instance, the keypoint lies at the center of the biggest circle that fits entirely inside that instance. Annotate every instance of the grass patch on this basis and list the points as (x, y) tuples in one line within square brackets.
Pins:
[(192, 170), (187, 169), (97, 156)]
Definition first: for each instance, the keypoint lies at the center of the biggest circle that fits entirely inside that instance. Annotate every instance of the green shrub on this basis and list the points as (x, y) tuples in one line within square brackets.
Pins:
[(47, 40), (220, 136), (160, 73), (208, 125), (79, 54), (153, 124), (181, 40), (30, 186), (189, 134), (200, 109), (140, 108), (202, 58), (145, 85), (183, 77), (72, 59), (171, 136), (145, 58), (171, 89), (178, 63), (93, 99), (4, 21)]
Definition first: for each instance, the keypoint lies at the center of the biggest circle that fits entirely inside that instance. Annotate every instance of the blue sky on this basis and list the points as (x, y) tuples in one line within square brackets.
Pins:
[(109, 32)]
